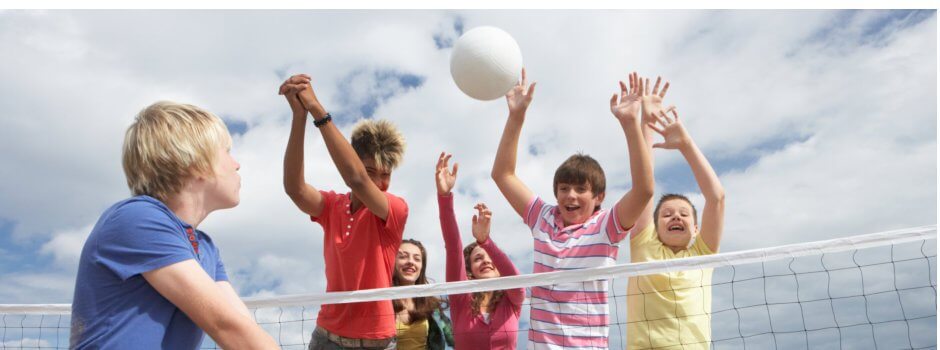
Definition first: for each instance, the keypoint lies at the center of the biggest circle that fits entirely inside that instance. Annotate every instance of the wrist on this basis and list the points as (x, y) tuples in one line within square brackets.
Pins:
[(317, 111), (517, 114), (479, 242)]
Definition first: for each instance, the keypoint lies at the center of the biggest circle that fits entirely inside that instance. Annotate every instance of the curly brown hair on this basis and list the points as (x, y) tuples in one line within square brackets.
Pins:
[(477, 298), (423, 306)]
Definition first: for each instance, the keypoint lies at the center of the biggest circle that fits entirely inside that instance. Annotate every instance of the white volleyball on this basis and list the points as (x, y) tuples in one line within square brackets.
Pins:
[(486, 63)]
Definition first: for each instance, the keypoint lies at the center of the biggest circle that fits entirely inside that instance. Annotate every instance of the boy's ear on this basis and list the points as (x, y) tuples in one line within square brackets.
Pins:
[(600, 197)]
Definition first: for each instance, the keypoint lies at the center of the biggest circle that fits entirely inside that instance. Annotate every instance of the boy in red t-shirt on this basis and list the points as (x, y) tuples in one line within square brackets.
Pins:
[(362, 229)]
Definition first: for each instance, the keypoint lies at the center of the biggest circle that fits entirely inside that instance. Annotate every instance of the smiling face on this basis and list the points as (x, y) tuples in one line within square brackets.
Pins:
[(480, 264), (675, 223), (576, 202), (409, 263)]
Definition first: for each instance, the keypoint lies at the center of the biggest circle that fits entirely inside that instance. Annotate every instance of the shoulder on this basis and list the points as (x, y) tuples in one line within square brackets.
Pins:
[(140, 211), (396, 203), (644, 236)]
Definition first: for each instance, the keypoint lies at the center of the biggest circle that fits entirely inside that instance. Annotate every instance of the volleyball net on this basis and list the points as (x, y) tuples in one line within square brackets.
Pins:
[(872, 291)]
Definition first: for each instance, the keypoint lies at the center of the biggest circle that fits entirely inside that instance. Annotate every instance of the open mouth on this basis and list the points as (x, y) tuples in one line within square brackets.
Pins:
[(408, 270), (571, 208), (676, 228)]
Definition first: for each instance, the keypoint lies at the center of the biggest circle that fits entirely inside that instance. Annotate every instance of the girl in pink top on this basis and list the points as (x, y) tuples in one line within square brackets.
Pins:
[(484, 320)]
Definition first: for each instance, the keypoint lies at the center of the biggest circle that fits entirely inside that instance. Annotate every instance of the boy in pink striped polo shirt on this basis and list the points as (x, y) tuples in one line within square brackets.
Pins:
[(575, 233)]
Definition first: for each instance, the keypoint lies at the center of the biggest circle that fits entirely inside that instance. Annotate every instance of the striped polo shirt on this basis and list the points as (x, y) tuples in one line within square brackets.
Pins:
[(571, 315)]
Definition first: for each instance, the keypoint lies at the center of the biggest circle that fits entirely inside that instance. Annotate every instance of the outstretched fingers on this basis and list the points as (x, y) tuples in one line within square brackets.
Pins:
[(441, 163), (656, 87)]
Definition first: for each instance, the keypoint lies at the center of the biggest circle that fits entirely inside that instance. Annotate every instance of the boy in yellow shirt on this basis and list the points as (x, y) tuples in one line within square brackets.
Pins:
[(673, 310)]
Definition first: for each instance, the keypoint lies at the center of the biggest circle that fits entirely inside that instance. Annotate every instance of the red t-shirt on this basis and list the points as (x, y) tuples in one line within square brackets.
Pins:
[(359, 249)]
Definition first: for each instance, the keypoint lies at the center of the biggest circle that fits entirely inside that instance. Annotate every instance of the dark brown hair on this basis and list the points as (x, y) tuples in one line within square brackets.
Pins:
[(423, 306), (578, 169), (669, 197), (477, 298)]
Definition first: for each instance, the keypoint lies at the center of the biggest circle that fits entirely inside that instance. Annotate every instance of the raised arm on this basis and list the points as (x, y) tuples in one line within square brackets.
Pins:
[(627, 112), (445, 179), (713, 215), (304, 196), (350, 167), (481, 232), (186, 285), (652, 102), (504, 167)]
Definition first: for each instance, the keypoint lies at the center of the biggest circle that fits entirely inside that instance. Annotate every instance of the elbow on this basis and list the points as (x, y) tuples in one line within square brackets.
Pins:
[(644, 192), (357, 182), (718, 197), (499, 176), (293, 190)]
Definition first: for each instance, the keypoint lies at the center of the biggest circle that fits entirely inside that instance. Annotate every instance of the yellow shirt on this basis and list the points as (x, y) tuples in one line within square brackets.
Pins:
[(412, 336), (668, 310)]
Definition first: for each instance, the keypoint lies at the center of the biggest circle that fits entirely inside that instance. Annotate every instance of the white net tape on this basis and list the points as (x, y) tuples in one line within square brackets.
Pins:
[(762, 297)]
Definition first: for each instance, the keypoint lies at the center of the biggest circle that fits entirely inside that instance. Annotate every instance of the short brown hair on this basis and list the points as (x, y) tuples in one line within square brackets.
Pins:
[(169, 142), (578, 169), (379, 140), (669, 197)]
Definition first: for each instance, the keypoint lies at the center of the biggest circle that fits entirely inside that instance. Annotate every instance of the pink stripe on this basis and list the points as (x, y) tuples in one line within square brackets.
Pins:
[(566, 320), (534, 211), (600, 249), (581, 297), (567, 340), (539, 268)]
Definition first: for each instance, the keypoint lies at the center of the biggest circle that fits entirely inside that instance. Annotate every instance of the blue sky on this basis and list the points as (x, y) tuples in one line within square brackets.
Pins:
[(821, 124)]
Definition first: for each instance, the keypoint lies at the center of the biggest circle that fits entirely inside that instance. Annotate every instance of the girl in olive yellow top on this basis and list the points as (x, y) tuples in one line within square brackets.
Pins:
[(673, 310)]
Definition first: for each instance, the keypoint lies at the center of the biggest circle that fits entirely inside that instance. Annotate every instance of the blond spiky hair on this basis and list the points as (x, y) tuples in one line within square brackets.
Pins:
[(379, 140)]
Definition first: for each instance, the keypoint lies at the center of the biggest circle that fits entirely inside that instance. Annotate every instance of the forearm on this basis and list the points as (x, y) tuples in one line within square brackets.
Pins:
[(641, 162), (500, 259), (506, 268), (294, 157), (505, 163), (344, 157), (450, 231), (705, 176), (240, 332)]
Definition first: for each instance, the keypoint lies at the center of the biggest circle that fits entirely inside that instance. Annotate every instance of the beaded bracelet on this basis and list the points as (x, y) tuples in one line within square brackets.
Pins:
[(326, 119)]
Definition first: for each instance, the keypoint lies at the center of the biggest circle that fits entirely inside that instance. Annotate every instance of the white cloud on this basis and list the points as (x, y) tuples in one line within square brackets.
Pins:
[(66, 247)]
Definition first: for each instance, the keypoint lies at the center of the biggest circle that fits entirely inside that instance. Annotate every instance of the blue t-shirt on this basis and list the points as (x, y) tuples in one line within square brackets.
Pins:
[(114, 307)]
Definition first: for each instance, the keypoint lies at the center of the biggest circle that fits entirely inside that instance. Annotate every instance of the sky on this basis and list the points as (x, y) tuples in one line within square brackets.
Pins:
[(819, 123)]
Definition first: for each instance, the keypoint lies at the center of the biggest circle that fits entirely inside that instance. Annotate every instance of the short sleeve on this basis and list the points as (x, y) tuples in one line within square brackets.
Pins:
[(615, 231), (700, 247), (220, 274), (397, 216), (533, 211), (329, 200), (141, 237)]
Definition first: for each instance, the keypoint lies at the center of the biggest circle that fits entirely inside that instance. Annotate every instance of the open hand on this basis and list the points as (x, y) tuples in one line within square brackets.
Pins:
[(628, 108), (653, 99), (481, 222), (674, 134), (519, 97), (445, 178)]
